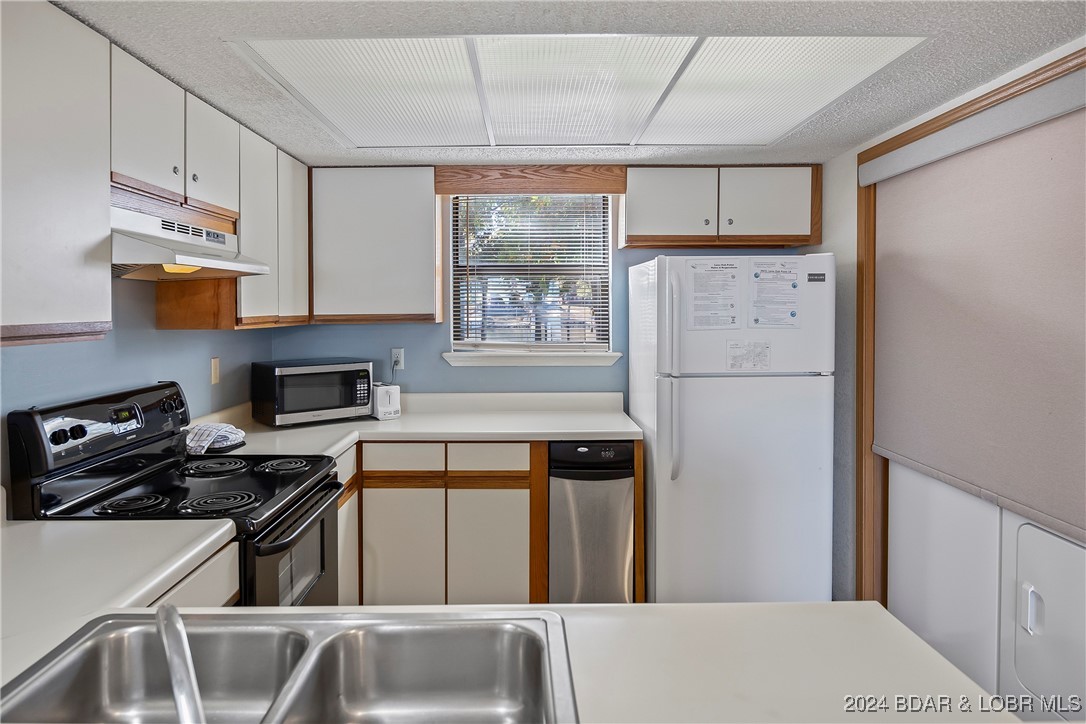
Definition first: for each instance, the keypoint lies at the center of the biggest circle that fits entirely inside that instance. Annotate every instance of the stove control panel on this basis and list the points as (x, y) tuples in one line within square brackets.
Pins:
[(52, 438)]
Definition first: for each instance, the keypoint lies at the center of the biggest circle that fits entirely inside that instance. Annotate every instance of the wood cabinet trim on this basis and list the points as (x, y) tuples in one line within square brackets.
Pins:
[(13, 335), (490, 482), (212, 208), (372, 318), (350, 489), (537, 179), (1046, 74), (539, 524), (127, 198), (196, 304), (403, 479), (134, 184), (816, 206)]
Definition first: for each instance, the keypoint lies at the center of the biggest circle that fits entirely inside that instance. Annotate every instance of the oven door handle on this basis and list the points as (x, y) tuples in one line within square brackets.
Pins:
[(268, 549)]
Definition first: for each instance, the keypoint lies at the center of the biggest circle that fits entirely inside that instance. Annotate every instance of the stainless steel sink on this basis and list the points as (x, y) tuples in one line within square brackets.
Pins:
[(476, 667), (114, 670)]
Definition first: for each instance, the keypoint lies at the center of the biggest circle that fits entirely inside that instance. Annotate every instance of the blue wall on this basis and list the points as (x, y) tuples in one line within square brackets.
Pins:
[(426, 371), (133, 354)]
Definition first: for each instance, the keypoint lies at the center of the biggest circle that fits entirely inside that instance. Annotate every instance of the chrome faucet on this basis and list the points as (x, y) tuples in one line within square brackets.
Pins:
[(186, 692)]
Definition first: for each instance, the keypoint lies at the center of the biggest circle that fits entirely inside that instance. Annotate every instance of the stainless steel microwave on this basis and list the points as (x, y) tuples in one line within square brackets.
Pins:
[(288, 392)]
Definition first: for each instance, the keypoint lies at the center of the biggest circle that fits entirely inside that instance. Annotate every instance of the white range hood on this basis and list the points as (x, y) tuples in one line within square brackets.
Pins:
[(150, 248)]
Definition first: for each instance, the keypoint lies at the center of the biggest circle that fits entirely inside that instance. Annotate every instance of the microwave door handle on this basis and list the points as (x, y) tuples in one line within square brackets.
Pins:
[(267, 549)]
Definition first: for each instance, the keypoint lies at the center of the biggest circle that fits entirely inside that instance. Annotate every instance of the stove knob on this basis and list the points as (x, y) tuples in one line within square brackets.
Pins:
[(78, 432), (59, 437), (167, 406), (179, 403)]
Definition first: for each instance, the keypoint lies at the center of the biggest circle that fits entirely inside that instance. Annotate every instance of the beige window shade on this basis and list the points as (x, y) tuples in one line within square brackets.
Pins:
[(980, 349)]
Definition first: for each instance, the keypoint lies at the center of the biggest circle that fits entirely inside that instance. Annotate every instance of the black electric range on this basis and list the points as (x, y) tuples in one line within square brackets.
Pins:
[(122, 456)]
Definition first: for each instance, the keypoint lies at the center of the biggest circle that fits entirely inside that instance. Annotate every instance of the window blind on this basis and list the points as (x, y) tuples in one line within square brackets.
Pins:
[(531, 272)]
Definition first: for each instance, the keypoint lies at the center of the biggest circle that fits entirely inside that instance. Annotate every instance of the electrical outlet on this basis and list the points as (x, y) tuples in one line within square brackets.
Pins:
[(397, 358), (214, 370)]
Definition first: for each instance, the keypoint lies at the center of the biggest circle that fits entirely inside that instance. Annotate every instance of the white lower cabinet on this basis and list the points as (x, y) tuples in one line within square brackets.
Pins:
[(348, 552), (216, 582), (488, 546), (403, 546)]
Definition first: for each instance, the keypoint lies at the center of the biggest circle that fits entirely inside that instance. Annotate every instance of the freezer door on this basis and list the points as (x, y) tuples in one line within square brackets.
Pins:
[(746, 315), (742, 485)]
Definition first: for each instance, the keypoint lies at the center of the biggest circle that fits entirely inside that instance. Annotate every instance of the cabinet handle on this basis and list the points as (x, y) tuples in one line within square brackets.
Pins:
[(731, 221), (706, 222), (176, 170), (195, 178)]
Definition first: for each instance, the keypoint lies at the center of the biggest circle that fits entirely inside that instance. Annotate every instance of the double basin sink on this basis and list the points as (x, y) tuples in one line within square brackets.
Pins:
[(472, 667)]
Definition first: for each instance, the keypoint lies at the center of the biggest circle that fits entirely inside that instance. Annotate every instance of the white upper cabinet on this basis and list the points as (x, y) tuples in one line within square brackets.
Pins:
[(293, 237), (765, 201), (375, 248), (148, 125), (671, 202), (212, 153), (55, 177), (258, 228)]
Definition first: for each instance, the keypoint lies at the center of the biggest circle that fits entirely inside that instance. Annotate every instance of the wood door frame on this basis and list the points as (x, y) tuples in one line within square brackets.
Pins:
[(872, 469)]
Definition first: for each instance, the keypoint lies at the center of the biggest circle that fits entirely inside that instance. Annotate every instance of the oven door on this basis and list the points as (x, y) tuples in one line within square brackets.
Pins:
[(295, 562), (324, 392)]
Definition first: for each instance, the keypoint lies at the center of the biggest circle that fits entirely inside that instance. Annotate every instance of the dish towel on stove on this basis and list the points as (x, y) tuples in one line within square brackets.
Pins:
[(211, 435)]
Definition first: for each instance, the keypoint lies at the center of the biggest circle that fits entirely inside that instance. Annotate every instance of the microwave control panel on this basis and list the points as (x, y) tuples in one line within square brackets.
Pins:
[(362, 389)]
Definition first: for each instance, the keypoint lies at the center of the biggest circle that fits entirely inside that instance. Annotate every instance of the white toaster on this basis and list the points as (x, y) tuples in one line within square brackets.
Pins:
[(386, 401)]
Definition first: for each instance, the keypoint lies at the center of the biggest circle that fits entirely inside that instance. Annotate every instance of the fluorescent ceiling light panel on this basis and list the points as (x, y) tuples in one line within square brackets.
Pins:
[(755, 90), (574, 90), (373, 93)]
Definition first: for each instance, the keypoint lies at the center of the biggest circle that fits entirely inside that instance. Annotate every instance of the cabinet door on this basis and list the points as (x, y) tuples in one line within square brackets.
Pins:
[(55, 138), (375, 246), (212, 157), (348, 552), (767, 201), (488, 546), (672, 202), (214, 583), (258, 229), (403, 546), (293, 238), (148, 125)]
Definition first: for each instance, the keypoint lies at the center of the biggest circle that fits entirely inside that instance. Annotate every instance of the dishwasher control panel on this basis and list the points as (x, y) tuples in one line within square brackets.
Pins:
[(576, 455)]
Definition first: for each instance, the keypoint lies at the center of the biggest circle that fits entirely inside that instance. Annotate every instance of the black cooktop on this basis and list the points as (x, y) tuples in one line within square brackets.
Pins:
[(158, 483)]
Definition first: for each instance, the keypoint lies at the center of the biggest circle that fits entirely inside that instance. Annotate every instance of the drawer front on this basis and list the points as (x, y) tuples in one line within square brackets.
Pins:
[(216, 582), (403, 456), (489, 456)]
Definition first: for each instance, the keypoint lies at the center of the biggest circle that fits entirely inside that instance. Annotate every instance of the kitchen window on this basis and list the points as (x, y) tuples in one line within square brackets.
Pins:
[(531, 279)]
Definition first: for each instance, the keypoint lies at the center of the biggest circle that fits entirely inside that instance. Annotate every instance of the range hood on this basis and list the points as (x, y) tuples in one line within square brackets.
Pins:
[(154, 249)]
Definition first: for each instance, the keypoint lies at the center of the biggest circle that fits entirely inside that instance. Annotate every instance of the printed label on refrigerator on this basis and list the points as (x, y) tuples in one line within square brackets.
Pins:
[(714, 294), (747, 356), (774, 292)]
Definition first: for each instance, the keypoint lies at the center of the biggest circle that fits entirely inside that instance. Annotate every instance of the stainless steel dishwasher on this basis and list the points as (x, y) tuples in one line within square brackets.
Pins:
[(591, 522)]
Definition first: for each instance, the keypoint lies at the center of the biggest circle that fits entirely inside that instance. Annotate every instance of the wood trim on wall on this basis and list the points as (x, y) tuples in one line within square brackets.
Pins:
[(815, 238), (1046, 74), (542, 179), (14, 335), (639, 522), (539, 524), (871, 511), (372, 318)]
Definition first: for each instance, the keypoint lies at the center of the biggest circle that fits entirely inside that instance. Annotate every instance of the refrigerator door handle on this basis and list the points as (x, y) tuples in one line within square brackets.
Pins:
[(676, 328), (674, 429)]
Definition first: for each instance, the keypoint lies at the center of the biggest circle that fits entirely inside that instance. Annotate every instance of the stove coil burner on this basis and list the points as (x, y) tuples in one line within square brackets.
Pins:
[(220, 503), (213, 468), (133, 505), (282, 465)]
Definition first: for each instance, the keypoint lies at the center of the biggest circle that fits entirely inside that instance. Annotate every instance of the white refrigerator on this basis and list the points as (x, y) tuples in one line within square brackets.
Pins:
[(731, 379)]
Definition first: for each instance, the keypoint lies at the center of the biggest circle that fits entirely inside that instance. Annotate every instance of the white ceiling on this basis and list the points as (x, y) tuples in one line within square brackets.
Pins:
[(969, 44)]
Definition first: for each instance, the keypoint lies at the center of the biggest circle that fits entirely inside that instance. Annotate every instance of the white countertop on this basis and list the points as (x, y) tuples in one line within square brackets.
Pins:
[(449, 416), (741, 662), (56, 574)]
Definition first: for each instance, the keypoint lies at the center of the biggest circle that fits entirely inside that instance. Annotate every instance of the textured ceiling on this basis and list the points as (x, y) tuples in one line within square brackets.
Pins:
[(970, 44)]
